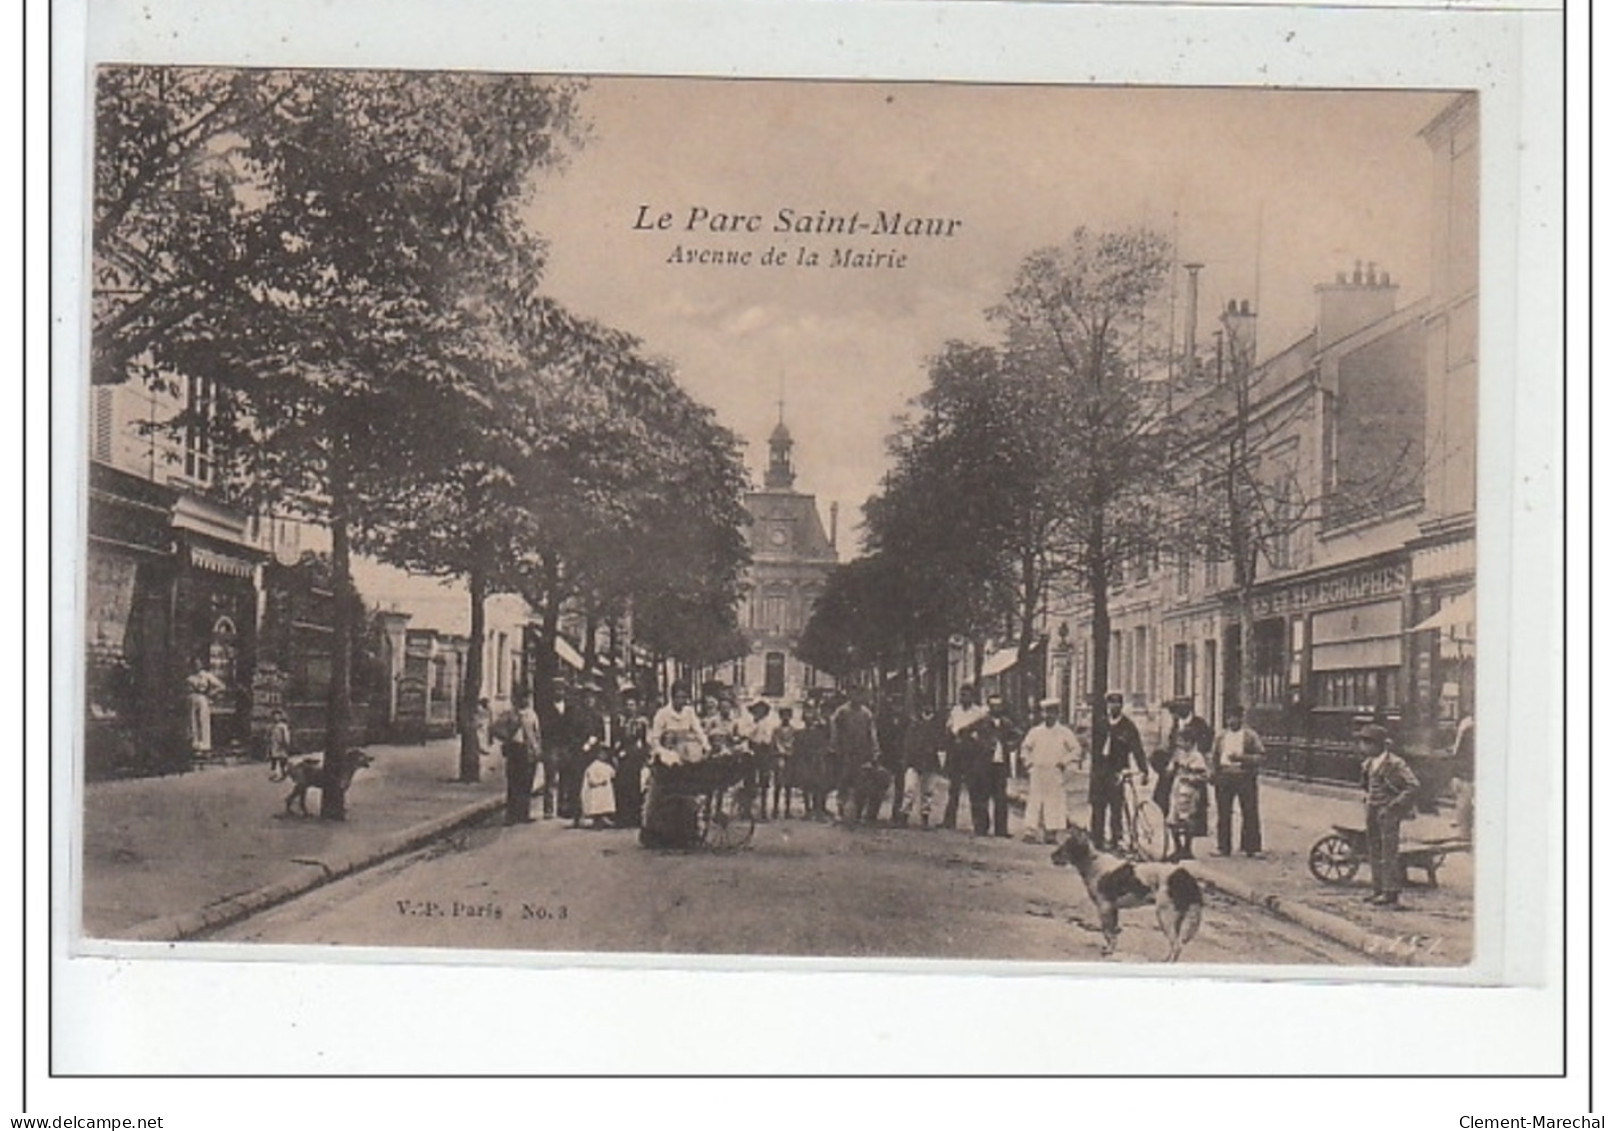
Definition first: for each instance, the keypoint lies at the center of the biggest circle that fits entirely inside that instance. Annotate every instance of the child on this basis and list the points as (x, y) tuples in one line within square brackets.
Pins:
[(280, 745), (599, 794), (1186, 817)]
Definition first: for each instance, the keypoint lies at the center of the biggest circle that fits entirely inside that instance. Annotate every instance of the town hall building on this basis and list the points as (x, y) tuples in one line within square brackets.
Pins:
[(791, 555)]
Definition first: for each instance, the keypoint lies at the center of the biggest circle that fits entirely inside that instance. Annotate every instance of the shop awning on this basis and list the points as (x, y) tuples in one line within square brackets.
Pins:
[(999, 662), (568, 654), (1456, 618)]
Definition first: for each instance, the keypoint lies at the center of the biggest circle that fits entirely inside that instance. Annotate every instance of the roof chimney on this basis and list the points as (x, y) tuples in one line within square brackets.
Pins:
[(1239, 326), (1345, 308), (1190, 328), (835, 514)]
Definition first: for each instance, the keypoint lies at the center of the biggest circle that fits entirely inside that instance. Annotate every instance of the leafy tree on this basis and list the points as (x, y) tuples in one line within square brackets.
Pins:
[(1072, 322), (348, 222)]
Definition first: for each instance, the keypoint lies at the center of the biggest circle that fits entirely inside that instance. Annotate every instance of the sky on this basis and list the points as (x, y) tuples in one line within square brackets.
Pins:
[(1274, 191)]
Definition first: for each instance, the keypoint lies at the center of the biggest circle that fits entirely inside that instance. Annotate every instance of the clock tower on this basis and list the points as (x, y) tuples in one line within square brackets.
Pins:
[(791, 557)]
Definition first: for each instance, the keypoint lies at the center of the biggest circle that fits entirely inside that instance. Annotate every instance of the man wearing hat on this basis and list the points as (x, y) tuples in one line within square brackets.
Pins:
[(1389, 788), (1048, 748), (1116, 739)]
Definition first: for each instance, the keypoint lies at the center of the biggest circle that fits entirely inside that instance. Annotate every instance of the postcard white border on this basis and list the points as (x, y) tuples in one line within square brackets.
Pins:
[(144, 1016)]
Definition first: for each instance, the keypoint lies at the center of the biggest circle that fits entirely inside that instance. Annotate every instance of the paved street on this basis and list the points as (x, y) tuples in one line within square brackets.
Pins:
[(167, 846), (800, 889)]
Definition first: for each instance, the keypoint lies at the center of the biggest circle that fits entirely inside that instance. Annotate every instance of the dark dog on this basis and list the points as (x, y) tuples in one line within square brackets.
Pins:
[(1115, 885), (304, 774)]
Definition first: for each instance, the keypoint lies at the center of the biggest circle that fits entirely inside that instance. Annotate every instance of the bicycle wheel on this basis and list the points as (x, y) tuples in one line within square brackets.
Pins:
[(730, 821), (1149, 831)]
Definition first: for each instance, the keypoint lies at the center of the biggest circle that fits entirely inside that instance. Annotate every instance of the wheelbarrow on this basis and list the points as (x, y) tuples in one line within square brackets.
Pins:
[(1336, 857)]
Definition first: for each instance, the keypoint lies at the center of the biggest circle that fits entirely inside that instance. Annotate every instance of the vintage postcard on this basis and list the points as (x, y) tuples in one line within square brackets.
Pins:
[(939, 538), (833, 519)]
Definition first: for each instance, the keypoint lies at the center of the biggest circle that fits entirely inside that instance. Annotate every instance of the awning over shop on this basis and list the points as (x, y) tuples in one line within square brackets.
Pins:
[(1456, 618), (226, 564), (568, 654), (999, 662)]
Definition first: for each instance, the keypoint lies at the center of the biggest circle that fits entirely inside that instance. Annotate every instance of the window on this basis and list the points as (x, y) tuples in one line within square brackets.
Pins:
[(1182, 671), (774, 674), (1362, 690), (1183, 565), (101, 443), (199, 399), (1283, 522), (776, 613), (1140, 683), (1268, 668), (1213, 573)]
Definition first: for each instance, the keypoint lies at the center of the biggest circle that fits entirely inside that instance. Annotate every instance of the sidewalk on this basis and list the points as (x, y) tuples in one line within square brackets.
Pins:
[(166, 847), (1436, 924)]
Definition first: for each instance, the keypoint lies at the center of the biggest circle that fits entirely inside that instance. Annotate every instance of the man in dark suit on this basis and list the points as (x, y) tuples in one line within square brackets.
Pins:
[(632, 742), (1115, 740), (995, 769)]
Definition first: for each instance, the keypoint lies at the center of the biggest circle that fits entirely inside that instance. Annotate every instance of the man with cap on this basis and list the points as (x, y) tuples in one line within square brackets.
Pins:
[(1115, 741), (1048, 748), (1389, 789), (1236, 757)]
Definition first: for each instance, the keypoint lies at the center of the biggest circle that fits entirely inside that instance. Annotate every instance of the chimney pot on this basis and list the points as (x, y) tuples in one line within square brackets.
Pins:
[(1384, 278), (1244, 306), (1340, 277), (1357, 273)]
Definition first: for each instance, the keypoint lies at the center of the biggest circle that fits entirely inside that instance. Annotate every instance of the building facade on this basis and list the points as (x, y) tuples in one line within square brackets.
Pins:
[(791, 556), (1364, 607)]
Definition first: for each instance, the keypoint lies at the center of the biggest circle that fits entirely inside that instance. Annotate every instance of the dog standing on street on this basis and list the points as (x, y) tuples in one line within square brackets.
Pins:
[(304, 774), (1115, 884)]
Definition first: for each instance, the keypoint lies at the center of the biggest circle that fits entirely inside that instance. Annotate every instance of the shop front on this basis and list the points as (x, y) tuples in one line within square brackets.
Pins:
[(1328, 653), (132, 674), (1442, 643)]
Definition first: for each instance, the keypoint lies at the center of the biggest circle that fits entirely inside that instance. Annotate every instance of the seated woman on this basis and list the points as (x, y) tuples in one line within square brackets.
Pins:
[(678, 744)]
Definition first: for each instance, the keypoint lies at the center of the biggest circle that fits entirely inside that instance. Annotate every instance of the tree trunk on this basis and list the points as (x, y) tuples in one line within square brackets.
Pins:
[(1247, 641), (544, 669), (471, 688), (1099, 594), (339, 701), (1030, 587)]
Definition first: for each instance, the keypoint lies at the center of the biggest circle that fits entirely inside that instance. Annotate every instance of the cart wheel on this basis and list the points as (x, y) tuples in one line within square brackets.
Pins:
[(1333, 860), (1149, 830), (730, 821)]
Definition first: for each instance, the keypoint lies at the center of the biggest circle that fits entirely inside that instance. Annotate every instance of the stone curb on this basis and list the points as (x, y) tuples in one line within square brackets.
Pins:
[(1384, 949), (175, 928)]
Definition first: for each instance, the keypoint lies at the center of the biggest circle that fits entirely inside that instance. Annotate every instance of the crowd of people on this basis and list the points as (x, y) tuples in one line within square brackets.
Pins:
[(842, 761)]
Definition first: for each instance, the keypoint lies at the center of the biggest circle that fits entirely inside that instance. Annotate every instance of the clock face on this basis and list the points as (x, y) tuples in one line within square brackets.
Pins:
[(777, 536)]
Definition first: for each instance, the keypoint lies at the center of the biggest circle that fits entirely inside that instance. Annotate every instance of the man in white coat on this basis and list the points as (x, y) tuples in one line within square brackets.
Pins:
[(1048, 748)]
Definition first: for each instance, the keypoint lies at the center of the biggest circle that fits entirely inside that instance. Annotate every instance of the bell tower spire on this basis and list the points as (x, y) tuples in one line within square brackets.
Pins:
[(781, 475)]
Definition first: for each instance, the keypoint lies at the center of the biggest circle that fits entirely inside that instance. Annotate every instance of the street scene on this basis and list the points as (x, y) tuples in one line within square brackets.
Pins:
[(935, 521)]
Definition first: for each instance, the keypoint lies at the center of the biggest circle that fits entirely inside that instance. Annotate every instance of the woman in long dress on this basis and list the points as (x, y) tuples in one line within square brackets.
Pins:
[(200, 687)]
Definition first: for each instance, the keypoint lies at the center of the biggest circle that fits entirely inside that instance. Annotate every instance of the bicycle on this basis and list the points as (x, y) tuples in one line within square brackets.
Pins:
[(1143, 825)]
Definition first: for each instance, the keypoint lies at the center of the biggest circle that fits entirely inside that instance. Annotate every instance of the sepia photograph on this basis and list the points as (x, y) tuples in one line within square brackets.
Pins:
[(781, 518)]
